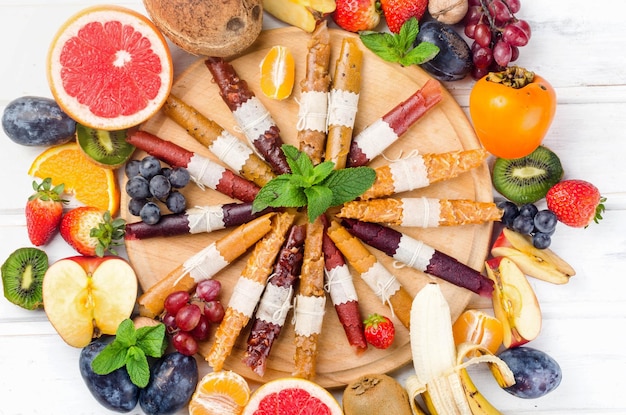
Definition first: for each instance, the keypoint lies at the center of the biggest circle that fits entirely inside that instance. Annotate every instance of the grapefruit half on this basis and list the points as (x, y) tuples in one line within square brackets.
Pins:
[(292, 396), (109, 67)]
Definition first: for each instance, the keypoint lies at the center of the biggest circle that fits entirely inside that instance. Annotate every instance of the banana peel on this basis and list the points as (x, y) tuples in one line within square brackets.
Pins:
[(440, 376), (305, 14)]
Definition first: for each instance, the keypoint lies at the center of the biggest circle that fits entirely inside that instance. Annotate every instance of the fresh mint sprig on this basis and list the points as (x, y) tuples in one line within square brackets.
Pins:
[(131, 348), (399, 47), (316, 187)]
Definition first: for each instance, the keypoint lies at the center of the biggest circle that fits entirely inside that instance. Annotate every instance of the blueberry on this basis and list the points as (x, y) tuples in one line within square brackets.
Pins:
[(135, 205), (138, 188), (132, 168), (541, 240), (511, 211), (166, 171), (150, 167), (179, 177), (536, 373), (528, 209), (176, 202), (523, 224), (545, 221), (160, 186), (150, 213)]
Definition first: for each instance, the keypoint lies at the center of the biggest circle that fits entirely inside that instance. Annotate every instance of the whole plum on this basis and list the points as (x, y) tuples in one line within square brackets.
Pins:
[(114, 391), (37, 121), (172, 382), (536, 373), (454, 60)]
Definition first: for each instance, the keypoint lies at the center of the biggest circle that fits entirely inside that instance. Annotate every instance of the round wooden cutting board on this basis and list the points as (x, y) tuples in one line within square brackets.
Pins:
[(444, 128)]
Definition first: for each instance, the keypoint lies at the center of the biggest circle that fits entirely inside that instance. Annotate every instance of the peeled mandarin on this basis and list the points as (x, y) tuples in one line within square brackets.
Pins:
[(480, 328), (277, 73)]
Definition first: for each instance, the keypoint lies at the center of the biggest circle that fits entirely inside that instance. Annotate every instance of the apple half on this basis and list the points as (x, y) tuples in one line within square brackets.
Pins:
[(542, 264), (85, 297), (514, 302)]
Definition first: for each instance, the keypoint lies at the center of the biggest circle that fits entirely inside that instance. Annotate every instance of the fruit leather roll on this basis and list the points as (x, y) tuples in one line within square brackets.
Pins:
[(424, 212), (204, 264), (248, 290), (198, 219), (275, 303), (421, 170), (251, 115), (382, 282), (382, 133), (313, 111), (343, 102), (232, 151), (203, 170), (418, 255)]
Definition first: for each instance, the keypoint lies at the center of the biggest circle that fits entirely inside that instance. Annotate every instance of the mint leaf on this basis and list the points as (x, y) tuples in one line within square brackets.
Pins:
[(298, 161), (348, 184), (126, 333), (137, 366), (319, 198), (279, 192), (151, 340), (423, 52), (322, 171), (382, 44), (111, 358)]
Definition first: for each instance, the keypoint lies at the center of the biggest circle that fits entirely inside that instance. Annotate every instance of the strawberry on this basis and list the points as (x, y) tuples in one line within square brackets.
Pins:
[(91, 231), (379, 331), (44, 209), (356, 15), (397, 12), (576, 203)]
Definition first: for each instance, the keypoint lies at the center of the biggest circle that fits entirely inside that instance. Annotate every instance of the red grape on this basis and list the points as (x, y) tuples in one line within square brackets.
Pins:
[(514, 5), (482, 35), (208, 290), (184, 343), (482, 57), (201, 331), (514, 53), (502, 53), (500, 12), (214, 310), (473, 15), (516, 33), (169, 320), (188, 317), (175, 301)]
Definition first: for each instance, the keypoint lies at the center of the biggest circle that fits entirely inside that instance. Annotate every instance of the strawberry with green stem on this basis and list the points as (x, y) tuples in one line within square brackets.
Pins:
[(92, 231), (44, 210), (379, 331), (397, 12), (576, 203)]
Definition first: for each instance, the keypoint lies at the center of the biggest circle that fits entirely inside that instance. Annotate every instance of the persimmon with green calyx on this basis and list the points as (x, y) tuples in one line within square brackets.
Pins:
[(512, 111)]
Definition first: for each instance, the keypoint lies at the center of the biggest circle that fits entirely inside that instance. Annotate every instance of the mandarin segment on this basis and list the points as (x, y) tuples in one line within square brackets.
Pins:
[(277, 73), (220, 393), (480, 328)]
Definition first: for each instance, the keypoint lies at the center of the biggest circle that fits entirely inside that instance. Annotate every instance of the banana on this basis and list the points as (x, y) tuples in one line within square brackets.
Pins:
[(304, 14), (440, 368)]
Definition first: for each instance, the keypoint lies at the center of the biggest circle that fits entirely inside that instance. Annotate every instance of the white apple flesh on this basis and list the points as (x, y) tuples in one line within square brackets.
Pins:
[(85, 297)]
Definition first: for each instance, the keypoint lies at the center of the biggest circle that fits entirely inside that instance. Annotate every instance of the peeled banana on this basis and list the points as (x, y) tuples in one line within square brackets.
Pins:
[(440, 368)]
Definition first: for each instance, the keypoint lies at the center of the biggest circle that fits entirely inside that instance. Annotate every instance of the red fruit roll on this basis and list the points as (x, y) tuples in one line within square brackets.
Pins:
[(203, 170), (379, 135), (419, 256)]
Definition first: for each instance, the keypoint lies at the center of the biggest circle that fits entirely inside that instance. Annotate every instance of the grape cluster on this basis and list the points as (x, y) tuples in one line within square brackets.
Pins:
[(149, 182), (188, 317), (527, 219), (496, 32)]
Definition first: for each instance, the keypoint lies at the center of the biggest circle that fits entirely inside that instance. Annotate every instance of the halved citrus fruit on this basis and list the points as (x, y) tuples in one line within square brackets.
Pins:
[(291, 396), (277, 73), (90, 184), (109, 67), (220, 393)]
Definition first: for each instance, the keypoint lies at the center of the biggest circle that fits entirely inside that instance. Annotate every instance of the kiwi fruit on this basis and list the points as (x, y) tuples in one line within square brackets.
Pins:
[(105, 148), (22, 277), (527, 179), (375, 394)]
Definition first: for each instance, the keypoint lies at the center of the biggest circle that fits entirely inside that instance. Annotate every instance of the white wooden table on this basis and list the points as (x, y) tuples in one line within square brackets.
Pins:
[(576, 45)]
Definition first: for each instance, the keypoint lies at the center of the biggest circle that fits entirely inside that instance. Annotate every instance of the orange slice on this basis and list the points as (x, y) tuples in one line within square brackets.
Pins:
[(220, 393), (277, 73), (109, 67), (90, 184)]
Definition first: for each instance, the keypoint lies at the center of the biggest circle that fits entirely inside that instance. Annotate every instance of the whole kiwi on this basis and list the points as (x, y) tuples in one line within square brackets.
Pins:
[(375, 394)]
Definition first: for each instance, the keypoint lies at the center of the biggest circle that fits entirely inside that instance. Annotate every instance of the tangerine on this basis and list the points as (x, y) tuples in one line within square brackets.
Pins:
[(277, 73), (220, 393), (109, 67), (90, 184), (480, 328)]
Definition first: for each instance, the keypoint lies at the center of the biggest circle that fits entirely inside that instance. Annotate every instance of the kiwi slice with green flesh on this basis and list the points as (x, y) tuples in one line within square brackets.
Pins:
[(22, 277), (527, 179), (106, 148)]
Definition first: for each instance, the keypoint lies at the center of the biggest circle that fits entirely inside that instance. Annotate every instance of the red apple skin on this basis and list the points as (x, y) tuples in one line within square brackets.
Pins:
[(90, 263)]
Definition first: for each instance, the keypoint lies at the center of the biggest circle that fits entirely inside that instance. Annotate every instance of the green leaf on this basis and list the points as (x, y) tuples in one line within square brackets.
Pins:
[(348, 184), (278, 192), (151, 340), (322, 171), (420, 54), (126, 333), (408, 34), (382, 44), (319, 199), (111, 358), (137, 367), (298, 161)]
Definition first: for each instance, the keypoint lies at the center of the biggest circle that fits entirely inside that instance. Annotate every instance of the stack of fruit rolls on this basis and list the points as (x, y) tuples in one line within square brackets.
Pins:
[(383, 132), (343, 102), (424, 212), (203, 170), (251, 115), (232, 151), (420, 256), (248, 290), (420, 170), (204, 264), (384, 284)]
